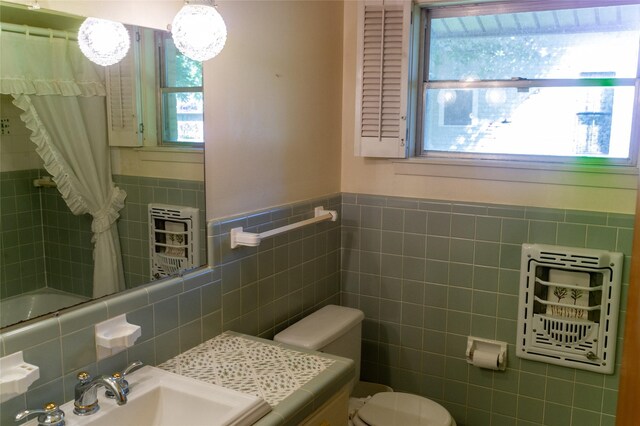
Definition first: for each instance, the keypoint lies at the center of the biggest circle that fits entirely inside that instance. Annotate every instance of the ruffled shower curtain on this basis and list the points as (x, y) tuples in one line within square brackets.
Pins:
[(62, 95)]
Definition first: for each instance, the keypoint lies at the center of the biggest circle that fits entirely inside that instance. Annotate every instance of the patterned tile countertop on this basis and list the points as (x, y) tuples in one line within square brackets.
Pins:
[(267, 369)]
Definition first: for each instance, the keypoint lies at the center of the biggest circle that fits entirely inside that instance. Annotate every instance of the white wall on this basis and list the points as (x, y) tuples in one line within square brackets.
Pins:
[(188, 164), (278, 112), (17, 152), (272, 106), (167, 163), (576, 188)]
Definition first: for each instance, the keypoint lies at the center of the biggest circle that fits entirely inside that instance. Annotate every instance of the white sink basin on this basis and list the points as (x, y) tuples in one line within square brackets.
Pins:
[(161, 398)]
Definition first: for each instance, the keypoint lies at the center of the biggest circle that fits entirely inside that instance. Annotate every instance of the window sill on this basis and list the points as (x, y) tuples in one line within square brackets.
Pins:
[(171, 154), (614, 177), (156, 148)]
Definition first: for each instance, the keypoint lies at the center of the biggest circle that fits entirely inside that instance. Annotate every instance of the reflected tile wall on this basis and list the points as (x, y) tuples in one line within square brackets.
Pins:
[(43, 243), (133, 224), (21, 247), (67, 245), (429, 273)]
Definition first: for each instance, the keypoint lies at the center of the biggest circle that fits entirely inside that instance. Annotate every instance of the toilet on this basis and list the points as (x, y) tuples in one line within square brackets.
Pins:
[(337, 330)]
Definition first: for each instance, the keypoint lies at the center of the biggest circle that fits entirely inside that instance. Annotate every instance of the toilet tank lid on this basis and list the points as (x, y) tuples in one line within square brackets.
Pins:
[(317, 330)]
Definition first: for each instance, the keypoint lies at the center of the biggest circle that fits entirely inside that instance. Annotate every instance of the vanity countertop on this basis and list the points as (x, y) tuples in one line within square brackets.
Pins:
[(293, 381)]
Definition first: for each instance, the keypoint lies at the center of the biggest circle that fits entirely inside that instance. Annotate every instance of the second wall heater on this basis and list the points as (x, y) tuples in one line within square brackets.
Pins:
[(174, 244)]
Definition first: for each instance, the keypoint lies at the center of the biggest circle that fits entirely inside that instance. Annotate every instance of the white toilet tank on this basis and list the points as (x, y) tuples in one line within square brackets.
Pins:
[(333, 329)]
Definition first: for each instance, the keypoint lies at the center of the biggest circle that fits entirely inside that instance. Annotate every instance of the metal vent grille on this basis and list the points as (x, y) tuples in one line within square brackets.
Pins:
[(564, 332), (567, 257), (174, 244), (569, 306)]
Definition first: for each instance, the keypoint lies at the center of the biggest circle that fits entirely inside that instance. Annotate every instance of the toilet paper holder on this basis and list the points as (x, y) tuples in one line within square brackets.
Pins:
[(485, 353)]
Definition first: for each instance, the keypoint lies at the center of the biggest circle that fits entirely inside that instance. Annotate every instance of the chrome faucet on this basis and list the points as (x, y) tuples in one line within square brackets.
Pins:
[(86, 393), (121, 378), (50, 415)]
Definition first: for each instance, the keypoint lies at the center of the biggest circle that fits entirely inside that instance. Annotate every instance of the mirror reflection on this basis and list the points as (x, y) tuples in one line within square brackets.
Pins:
[(101, 168)]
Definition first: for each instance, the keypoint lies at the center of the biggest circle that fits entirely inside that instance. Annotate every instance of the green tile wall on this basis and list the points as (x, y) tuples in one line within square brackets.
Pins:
[(22, 266), (258, 291), (428, 273), (267, 288), (133, 224), (67, 245), (45, 245), (175, 315)]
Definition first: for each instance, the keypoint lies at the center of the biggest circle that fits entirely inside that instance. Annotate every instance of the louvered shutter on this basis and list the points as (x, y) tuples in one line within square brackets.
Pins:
[(382, 80), (123, 100)]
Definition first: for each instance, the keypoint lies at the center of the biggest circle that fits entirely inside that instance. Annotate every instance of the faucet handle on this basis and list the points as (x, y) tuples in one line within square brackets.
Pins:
[(120, 378), (49, 415), (83, 377), (131, 368)]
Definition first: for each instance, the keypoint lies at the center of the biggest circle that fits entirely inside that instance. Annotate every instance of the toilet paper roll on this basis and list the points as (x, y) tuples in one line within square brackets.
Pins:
[(485, 359)]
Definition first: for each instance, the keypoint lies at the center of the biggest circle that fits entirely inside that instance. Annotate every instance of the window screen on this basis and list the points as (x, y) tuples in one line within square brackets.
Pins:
[(555, 83)]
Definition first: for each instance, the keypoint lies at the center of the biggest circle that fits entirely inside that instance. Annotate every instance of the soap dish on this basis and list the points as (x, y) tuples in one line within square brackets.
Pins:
[(115, 335), (16, 376)]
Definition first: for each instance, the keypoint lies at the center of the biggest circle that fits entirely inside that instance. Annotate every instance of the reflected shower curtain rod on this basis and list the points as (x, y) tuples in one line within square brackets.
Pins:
[(37, 31), (250, 239)]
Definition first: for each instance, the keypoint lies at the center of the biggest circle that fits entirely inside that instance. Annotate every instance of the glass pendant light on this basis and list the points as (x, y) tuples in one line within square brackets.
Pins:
[(198, 31), (103, 42)]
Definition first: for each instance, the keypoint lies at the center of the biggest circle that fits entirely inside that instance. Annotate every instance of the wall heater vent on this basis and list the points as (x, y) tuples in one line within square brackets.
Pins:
[(174, 244), (568, 307)]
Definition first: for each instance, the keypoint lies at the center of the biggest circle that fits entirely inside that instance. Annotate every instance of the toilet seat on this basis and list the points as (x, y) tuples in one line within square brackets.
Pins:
[(402, 409)]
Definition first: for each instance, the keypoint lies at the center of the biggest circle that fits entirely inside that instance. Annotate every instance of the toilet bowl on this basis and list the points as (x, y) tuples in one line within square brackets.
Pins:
[(337, 330), (401, 409)]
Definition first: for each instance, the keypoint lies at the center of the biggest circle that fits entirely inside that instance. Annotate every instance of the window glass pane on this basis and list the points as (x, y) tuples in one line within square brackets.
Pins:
[(557, 121), (183, 117), (589, 42), (179, 70), (457, 107)]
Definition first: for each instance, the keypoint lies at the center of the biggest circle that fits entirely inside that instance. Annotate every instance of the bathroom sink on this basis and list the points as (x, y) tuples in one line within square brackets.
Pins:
[(161, 398)]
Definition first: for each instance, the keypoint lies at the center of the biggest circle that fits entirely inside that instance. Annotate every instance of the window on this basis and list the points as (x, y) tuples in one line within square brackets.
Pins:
[(458, 109), (181, 117), (515, 81)]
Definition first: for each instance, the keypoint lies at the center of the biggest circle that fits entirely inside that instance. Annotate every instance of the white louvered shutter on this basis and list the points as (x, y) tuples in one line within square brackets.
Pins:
[(382, 79), (123, 100)]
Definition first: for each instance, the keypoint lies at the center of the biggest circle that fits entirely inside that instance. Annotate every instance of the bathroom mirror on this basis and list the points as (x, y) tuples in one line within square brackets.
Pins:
[(46, 252)]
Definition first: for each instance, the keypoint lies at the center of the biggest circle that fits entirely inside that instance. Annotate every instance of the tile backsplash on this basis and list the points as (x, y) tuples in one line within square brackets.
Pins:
[(175, 314)]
